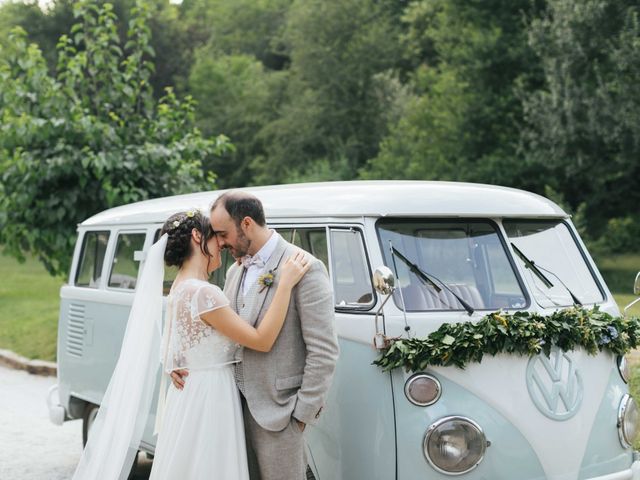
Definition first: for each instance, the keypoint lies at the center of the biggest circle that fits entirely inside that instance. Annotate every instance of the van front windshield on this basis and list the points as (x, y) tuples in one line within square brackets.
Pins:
[(467, 258), (552, 263)]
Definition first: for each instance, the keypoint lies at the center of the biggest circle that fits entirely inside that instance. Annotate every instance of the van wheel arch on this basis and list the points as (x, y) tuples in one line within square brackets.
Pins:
[(310, 475)]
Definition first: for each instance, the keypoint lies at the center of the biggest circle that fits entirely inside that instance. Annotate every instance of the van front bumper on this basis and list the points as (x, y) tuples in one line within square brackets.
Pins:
[(57, 413), (632, 473)]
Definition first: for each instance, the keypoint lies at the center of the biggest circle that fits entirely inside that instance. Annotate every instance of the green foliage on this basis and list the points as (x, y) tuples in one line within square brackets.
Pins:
[(534, 94), (620, 236), (89, 138), (334, 110), (43, 27), (619, 271), (634, 388), (304, 88), (235, 95), (584, 122), (520, 333), (171, 40), (244, 27), (29, 307), (426, 143), (238, 76), (470, 59)]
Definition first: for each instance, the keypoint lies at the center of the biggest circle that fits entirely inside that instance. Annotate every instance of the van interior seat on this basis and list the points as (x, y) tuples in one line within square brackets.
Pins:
[(414, 298), (421, 297), (469, 293)]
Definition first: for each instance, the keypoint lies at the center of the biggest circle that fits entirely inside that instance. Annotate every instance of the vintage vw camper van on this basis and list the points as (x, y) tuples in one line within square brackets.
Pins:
[(567, 416)]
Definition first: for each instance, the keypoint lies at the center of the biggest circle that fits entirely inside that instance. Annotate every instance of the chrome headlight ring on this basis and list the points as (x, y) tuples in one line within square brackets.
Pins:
[(422, 389), (623, 368), (628, 421), (454, 445)]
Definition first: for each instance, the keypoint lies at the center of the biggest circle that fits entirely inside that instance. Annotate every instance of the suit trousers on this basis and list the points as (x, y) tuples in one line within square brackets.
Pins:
[(274, 455)]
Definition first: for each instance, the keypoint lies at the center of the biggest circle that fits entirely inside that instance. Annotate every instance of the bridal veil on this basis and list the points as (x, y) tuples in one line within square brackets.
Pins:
[(115, 435)]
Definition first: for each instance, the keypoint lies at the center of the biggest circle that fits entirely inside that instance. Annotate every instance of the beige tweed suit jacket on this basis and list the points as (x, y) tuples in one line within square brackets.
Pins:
[(294, 377)]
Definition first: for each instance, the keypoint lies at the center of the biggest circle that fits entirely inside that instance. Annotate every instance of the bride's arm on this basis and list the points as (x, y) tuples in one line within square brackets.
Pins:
[(262, 338)]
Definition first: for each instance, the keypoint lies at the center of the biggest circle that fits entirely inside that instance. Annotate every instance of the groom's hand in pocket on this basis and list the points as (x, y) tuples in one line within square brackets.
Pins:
[(178, 378)]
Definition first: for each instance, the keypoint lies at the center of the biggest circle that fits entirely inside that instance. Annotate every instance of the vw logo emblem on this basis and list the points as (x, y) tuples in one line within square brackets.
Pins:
[(554, 384)]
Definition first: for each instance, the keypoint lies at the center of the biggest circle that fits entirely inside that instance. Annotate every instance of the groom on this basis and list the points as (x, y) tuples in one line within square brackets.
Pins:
[(282, 390)]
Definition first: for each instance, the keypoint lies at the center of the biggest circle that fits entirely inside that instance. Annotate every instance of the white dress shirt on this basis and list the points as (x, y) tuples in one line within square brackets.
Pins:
[(264, 254)]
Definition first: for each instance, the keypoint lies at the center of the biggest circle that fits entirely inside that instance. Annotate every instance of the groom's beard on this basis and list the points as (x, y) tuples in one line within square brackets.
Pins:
[(241, 248)]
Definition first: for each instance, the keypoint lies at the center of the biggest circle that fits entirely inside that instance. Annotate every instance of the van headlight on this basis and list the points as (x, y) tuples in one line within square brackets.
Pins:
[(623, 368), (628, 420), (454, 445), (422, 389)]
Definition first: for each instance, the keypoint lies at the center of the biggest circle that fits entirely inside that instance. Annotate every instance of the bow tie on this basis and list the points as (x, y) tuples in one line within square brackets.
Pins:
[(252, 261)]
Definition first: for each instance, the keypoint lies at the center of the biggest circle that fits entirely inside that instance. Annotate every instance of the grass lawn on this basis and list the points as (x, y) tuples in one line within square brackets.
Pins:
[(29, 304), (619, 272), (634, 388)]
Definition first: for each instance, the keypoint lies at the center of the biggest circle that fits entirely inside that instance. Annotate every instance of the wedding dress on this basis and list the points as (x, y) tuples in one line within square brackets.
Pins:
[(201, 427), (201, 432)]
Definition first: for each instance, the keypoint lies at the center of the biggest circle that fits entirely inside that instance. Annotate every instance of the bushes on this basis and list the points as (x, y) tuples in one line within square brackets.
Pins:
[(622, 235)]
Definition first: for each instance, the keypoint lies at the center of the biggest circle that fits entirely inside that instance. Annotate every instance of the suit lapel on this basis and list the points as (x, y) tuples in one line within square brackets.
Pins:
[(262, 293), (232, 285)]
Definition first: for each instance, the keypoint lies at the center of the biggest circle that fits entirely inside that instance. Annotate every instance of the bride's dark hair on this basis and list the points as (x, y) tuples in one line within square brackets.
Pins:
[(179, 227)]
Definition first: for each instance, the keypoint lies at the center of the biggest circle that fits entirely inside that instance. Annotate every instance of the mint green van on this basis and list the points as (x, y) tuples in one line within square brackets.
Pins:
[(566, 416)]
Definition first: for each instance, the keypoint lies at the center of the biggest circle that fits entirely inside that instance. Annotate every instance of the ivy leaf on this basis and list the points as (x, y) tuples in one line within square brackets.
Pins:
[(448, 340)]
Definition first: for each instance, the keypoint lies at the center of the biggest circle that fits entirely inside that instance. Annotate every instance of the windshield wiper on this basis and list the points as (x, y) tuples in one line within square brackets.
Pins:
[(425, 277), (536, 269)]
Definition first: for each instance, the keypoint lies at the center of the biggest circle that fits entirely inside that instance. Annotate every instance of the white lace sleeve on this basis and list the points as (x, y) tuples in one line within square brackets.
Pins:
[(206, 299)]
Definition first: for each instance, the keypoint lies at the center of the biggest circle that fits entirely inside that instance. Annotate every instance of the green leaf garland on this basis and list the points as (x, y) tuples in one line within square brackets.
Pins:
[(520, 333)]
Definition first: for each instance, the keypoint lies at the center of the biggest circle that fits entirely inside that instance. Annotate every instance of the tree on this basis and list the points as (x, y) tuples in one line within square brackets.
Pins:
[(584, 121), (238, 76), (469, 60), (239, 27), (89, 138), (334, 112), (236, 95), (171, 38), (44, 27)]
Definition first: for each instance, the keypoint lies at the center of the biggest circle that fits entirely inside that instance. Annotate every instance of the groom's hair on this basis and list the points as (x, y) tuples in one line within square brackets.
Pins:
[(239, 205)]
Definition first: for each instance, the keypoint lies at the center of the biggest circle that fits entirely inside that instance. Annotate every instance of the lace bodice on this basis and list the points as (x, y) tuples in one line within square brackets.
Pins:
[(188, 342)]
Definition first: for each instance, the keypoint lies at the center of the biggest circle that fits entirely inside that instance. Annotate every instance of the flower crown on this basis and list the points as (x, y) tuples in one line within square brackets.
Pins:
[(177, 223)]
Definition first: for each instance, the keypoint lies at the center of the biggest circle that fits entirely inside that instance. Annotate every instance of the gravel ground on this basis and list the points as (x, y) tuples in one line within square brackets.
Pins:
[(31, 447)]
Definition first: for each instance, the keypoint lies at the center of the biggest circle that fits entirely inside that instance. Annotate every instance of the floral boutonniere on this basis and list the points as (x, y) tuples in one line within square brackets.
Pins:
[(266, 280)]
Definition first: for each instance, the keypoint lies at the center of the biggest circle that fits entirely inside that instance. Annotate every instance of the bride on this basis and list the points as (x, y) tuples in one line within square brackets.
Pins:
[(200, 428)]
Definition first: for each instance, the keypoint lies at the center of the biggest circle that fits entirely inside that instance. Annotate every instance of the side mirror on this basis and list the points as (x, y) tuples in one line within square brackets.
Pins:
[(385, 282)]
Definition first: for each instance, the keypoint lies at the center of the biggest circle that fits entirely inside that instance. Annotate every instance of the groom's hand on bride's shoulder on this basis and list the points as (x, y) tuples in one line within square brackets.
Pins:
[(177, 377)]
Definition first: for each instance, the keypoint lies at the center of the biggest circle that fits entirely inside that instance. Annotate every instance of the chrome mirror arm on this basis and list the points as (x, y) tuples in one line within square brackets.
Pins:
[(636, 291), (630, 305), (385, 283), (380, 340)]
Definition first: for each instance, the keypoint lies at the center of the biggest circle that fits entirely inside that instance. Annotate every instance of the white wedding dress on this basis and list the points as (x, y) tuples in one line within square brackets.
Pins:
[(201, 432)]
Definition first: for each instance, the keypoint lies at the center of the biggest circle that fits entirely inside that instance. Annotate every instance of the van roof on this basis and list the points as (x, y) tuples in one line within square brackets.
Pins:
[(377, 198)]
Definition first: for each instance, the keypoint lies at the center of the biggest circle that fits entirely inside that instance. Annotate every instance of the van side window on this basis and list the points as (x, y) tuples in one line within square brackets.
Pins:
[(94, 246), (218, 277), (124, 268), (350, 270), (312, 240)]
